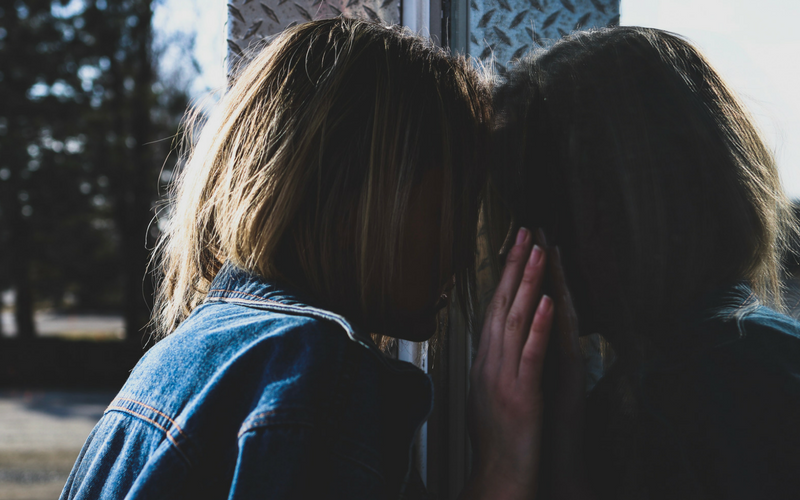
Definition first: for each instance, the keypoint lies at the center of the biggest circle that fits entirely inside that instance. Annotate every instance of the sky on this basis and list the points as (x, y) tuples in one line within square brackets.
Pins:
[(206, 20), (754, 45)]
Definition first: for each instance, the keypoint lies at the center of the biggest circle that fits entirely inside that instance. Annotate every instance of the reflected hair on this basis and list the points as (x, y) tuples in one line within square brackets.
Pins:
[(625, 143), (303, 172)]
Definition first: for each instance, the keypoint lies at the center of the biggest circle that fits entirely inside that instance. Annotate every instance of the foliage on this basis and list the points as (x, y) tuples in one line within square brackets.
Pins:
[(85, 126)]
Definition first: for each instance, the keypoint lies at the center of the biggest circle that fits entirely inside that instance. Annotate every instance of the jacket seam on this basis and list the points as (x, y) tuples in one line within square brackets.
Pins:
[(259, 298), (149, 420), (259, 416), (177, 427)]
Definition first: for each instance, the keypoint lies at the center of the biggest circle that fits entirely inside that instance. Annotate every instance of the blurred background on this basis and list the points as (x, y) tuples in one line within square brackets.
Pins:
[(91, 96), (92, 93)]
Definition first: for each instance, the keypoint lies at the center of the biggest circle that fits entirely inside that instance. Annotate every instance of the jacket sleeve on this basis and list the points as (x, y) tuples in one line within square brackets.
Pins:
[(293, 460), (750, 405)]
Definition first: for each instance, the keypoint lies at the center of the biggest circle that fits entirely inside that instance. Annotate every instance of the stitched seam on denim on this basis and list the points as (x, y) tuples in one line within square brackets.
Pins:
[(359, 462), (260, 299), (178, 427), (223, 290), (260, 424), (269, 304), (263, 414), (166, 432)]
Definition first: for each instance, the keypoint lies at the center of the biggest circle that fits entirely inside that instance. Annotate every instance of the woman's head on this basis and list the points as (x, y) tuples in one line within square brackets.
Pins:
[(329, 149), (628, 148)]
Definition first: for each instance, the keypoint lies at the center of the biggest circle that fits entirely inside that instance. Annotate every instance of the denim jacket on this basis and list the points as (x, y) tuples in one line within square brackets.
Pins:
[(716, 417), (258, 395)]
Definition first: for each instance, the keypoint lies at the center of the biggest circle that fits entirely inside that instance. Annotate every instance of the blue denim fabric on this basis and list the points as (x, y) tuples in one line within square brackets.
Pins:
[(257, 395)]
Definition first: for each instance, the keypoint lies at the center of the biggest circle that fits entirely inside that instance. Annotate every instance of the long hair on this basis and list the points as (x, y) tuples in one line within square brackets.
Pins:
[(638, 161), (303, 172), (635, 157)]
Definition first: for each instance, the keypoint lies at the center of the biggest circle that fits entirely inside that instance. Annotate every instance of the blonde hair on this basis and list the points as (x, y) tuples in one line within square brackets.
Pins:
[(303, 173)]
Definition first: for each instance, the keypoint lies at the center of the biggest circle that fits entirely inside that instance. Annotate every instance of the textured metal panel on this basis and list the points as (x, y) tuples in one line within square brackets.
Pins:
[(507, 29), (252, 20)]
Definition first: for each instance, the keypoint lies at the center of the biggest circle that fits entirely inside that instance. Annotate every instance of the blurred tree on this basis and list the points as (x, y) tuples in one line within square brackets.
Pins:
[(85, 127)]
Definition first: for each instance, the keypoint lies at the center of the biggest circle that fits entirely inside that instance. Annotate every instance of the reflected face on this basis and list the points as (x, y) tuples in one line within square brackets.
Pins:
[(594, 279), (420, 294)]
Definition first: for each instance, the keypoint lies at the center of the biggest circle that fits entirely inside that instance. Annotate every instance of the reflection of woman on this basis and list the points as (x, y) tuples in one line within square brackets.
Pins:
[(334, 194), (641, 165)]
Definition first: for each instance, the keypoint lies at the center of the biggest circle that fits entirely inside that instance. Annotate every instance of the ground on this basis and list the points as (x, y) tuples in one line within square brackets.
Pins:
[(41, 434)]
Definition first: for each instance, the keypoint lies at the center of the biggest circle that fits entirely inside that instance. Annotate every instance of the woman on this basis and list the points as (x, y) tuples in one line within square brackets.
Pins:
[(332, 195), (645, 170)]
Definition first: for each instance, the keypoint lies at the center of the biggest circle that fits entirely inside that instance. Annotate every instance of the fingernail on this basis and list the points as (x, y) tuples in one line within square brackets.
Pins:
[(545, 304), (540, 236), (536, 255), (522, 235)]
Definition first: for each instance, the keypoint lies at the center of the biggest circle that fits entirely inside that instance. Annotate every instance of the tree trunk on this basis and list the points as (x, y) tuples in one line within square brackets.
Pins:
[(20, 275), (140, 184)]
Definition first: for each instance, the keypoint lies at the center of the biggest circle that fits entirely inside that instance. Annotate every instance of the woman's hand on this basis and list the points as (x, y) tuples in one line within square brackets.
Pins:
[(505, 406)]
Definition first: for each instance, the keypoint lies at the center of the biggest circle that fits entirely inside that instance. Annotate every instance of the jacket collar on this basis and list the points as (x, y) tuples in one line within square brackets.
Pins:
[(721, 303), (237, 286), (713, 321)]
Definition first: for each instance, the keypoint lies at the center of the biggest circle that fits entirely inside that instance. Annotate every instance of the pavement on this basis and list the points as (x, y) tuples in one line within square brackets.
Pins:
[(41, 434), (72, 326)]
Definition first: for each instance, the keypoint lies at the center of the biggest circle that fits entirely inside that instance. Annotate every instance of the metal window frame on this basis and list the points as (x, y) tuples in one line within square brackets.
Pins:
[(442, 452)]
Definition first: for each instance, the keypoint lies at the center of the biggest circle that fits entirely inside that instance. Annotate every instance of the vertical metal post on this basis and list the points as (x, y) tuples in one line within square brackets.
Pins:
[(417, 16), (423, 17), (459, 26), (417, 354)]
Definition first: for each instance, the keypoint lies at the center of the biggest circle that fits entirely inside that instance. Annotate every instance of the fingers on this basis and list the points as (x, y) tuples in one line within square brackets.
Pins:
[(533, 352), (491, 343), (521, 313), (540, 238)]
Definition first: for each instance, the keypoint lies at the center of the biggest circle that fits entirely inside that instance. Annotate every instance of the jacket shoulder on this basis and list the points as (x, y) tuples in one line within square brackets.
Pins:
[(223, 345)]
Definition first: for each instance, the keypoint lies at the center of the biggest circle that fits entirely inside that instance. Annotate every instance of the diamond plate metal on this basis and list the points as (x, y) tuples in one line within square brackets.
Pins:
[(250, 21), (504, 30)]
